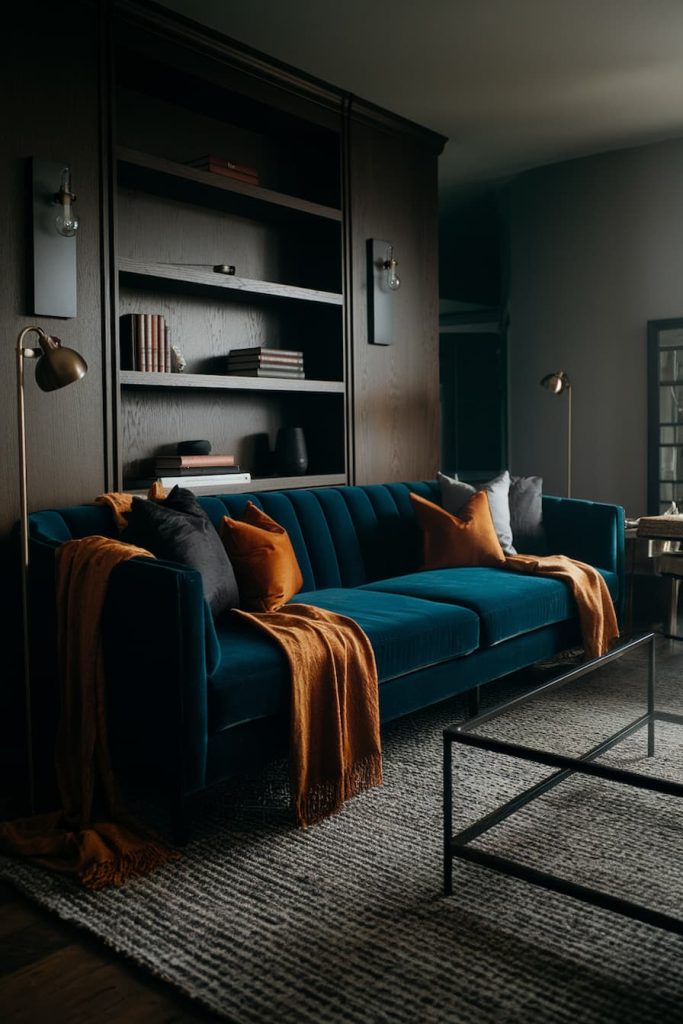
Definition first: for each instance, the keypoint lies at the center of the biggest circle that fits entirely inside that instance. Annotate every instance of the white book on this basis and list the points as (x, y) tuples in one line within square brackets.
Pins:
[(226, 480)]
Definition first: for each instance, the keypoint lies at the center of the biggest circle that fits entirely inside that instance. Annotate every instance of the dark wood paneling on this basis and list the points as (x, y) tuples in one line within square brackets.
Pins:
[(51, 110), (393, 196)]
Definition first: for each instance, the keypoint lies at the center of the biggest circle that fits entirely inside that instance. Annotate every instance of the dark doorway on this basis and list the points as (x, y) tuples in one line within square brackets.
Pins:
[(473, 403)]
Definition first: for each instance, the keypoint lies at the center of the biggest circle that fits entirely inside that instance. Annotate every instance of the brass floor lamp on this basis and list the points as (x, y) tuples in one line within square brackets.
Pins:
[(56, 367), (556, 383)]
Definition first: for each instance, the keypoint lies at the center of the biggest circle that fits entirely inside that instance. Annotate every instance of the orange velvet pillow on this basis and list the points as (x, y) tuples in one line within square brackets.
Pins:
[(451, 542), (263, 558)]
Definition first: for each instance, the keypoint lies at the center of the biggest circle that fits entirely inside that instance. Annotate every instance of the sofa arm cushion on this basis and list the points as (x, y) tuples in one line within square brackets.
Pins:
[(589, 531)]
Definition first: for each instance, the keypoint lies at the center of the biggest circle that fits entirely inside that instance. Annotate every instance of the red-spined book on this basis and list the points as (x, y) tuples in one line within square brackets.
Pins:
[(149, 364), (167, 349), (225, 172), (221, 161), (194, 461)]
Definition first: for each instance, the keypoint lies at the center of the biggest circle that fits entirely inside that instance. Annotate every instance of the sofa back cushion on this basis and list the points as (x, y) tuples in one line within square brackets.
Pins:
[(342, 537)]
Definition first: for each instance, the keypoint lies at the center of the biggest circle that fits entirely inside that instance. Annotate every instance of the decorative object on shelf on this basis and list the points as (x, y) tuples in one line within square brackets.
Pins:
[(383, 282), (218, 268), (56, 367), (557, 383), (178, 361), (291, 455), (193, 447), (54, 239), (263, 459)]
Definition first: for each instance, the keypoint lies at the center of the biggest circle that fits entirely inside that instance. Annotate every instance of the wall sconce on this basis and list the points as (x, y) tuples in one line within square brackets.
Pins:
[(557, 383), (390, 264), (66, 220), (54, 239), (56, 367), (383, 282)]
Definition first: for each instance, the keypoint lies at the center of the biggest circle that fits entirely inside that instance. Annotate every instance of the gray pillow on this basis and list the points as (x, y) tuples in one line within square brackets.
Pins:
[(456, 493), (526, 515)]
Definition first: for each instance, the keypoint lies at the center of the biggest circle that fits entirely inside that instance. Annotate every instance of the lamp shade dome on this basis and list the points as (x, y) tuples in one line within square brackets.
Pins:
[(59, 366)]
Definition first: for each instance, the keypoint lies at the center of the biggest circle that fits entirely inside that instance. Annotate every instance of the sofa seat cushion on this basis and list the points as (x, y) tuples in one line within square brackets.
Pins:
[(406, 633), (507, 603)]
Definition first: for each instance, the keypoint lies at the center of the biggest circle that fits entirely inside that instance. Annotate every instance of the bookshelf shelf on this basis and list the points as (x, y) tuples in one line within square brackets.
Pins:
[(268, 483), (266, 290), (157, 175), (217, 382)]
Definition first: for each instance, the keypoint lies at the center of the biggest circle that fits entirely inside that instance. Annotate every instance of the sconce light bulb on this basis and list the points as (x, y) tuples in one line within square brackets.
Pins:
[(66, 220), (390, 264)]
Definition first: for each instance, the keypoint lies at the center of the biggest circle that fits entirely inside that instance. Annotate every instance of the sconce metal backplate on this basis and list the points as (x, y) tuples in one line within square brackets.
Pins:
[(381, 299), (54, 255)]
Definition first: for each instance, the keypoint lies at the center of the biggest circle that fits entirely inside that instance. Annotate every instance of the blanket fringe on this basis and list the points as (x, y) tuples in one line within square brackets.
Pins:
[(327, 798), (124, 866)]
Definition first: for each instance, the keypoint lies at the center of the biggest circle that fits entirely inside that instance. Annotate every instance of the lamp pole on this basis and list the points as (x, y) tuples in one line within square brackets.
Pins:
[(569, 440), (556, 383), (25, 353), (57, 366)]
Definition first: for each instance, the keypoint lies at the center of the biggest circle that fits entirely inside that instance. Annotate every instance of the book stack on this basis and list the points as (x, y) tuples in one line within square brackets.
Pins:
[(229, 169), (198, 470), (266, 362), (145, 343)]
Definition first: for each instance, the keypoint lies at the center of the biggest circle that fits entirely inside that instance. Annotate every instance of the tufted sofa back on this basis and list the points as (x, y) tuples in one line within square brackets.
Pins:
[(342, 536)]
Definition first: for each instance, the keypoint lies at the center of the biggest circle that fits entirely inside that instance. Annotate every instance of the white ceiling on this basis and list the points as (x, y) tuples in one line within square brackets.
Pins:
[(512, 83)]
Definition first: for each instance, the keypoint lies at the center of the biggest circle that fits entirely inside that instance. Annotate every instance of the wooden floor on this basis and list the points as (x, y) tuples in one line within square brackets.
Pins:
[(53, 973)]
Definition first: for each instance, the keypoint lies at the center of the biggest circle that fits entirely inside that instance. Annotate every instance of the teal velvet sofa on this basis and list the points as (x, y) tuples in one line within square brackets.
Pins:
[(193, 701)]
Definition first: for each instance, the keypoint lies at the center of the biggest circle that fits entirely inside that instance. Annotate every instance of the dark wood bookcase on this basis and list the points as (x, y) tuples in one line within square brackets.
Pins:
[(179, 92)]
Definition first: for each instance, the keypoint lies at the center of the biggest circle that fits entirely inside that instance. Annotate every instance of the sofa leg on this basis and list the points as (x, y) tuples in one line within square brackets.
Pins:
[(180, 821), (473, 702)]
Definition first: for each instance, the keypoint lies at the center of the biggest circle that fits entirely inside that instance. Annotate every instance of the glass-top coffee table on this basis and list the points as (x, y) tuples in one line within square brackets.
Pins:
[(459, 846)]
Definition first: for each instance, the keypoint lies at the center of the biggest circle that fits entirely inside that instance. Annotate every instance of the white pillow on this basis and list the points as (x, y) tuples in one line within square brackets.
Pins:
[(456, 493)]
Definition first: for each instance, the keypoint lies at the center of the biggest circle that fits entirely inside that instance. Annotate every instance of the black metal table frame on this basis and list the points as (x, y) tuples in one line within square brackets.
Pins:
[(457, 845)]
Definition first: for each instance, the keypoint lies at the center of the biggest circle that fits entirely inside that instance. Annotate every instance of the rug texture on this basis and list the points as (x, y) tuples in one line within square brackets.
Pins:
[(345, 921)]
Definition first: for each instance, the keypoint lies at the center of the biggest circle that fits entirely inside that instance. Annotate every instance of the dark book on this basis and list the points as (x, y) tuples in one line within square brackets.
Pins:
[(139, 335), (279, 353), (127, 342), (255, 362), (266, 372)]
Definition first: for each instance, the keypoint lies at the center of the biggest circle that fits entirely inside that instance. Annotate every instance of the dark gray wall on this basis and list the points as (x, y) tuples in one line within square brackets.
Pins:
[(51, 111), (596, 250)]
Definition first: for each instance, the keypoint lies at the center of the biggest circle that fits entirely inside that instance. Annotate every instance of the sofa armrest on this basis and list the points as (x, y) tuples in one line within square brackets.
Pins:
[(588, 531), (159, 646)]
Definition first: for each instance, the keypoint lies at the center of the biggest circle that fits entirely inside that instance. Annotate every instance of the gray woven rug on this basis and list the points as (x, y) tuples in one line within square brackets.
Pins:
[(345, 921)]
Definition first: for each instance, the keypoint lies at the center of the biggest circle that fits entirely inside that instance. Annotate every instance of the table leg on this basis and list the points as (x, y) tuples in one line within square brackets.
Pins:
[(673, 610), (651, 700), (447, 816)]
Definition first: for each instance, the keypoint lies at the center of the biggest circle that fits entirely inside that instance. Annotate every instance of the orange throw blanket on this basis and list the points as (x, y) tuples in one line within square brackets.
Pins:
[(596, 611), (91, 837), (335, 750)]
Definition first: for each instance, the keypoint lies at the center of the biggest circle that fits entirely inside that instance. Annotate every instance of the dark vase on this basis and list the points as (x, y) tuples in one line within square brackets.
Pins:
[(290, 451)]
